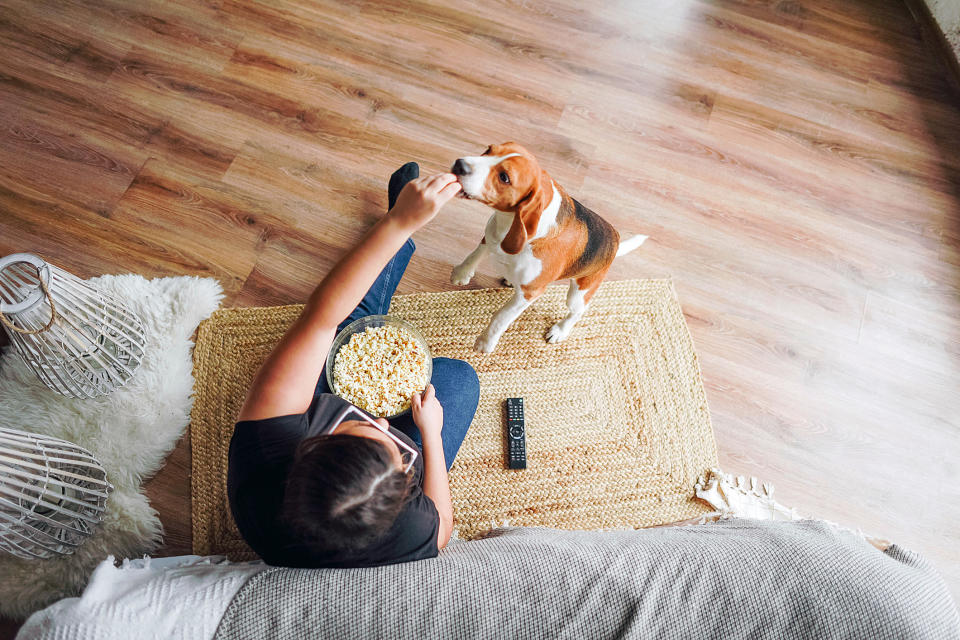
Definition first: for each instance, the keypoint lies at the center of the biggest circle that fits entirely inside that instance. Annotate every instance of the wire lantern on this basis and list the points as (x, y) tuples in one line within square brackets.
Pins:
[(52, 494), (80, 341)]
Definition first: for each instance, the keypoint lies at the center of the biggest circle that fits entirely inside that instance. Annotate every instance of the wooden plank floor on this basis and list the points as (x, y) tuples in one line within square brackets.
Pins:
[(796, 164)]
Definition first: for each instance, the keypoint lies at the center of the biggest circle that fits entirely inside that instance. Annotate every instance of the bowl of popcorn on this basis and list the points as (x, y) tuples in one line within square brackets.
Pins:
[(377, 363)]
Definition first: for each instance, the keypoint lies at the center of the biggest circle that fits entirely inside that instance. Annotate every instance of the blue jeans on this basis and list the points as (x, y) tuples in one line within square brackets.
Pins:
[(456, 383)]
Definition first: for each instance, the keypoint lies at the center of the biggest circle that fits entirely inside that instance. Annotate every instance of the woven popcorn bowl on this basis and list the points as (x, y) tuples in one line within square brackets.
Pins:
[(361, 325)]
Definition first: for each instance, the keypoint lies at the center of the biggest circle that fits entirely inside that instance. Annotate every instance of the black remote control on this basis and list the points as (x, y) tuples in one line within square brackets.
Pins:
[(516, 435)]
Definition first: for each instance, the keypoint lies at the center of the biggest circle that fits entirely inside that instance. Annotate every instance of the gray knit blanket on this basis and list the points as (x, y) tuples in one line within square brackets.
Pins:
[(731, 579)]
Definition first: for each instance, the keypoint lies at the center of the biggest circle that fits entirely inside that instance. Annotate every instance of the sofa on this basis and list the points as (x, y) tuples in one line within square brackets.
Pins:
[(736, 578)]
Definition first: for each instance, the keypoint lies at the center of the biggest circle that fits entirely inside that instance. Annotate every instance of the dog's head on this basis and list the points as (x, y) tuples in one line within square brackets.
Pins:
[(508, 178)]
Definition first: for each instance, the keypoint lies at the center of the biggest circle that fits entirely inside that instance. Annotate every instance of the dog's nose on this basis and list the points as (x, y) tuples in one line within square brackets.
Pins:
[(459, 168)]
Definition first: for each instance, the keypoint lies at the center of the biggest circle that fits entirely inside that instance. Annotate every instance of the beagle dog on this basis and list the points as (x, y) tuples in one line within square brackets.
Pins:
[(537, 234)]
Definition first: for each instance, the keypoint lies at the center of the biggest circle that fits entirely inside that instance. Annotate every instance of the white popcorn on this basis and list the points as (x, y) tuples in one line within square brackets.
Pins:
[(379, 369)]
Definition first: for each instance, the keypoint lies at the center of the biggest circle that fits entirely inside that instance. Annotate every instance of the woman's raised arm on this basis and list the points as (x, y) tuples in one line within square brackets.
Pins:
[(286, 381)]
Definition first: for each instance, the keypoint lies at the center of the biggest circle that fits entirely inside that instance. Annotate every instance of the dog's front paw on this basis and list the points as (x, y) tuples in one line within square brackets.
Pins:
[(557, 333), (460, 275), (486, 343)]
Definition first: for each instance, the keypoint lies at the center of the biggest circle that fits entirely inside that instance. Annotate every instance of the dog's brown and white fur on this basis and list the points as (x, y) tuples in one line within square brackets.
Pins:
[(538, 234)]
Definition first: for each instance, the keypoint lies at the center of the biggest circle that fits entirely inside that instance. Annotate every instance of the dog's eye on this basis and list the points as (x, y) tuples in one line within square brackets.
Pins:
[(504, 178)]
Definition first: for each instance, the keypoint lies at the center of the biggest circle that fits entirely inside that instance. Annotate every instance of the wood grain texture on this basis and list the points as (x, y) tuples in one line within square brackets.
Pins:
[(796, 164)]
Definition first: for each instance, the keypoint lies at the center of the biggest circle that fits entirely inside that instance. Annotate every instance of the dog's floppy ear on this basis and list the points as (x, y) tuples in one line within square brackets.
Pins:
[(516, 238), (526, 217)]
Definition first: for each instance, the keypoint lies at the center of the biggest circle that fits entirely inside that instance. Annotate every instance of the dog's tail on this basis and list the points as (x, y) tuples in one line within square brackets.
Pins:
[(630, 244)]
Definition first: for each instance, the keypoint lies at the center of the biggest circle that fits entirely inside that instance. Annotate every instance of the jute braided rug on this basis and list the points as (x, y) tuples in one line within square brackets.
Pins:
[(617, 422)]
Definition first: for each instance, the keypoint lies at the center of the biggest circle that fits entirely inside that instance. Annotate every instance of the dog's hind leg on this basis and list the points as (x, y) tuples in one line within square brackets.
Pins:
[(578, 297), (576, 305)]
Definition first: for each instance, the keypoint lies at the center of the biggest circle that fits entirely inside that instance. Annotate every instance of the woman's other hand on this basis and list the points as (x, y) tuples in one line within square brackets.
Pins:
[(428, 416), (427, 412), (422, 198)]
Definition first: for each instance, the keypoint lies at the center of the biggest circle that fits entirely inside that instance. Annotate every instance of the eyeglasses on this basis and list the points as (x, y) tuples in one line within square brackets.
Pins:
[(407, 453)]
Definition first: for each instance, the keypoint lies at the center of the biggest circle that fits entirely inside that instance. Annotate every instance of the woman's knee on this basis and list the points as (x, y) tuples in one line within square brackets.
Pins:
[(458, 388), (457, 374)]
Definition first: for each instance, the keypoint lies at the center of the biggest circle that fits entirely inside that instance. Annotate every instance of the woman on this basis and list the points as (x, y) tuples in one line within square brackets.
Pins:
[(312, 482)]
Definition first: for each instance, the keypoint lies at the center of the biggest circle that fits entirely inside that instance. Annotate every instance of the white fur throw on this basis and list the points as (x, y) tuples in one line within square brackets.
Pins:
[(181, 598), (131, 431)]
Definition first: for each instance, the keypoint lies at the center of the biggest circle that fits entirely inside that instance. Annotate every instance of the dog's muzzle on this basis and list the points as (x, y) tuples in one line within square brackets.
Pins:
[(460, 169)]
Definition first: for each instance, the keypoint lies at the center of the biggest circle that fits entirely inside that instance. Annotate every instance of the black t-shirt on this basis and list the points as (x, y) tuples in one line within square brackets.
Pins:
[(261, 453)]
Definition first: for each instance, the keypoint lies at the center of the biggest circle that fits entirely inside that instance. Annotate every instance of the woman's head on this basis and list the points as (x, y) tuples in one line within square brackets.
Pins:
[(345, 490)]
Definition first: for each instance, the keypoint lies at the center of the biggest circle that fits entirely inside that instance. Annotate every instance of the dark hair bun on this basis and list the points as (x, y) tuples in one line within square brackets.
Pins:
[(343, 492)]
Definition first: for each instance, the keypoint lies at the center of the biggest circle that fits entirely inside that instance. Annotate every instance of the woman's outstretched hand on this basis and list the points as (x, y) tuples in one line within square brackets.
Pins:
[(421, 199), (427, 412)]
